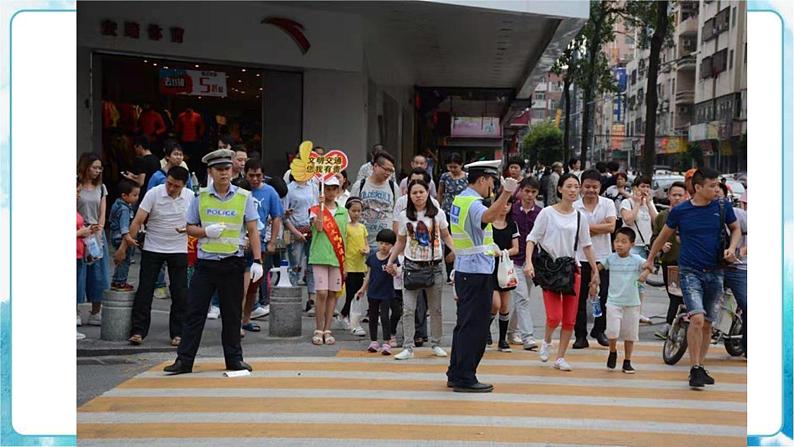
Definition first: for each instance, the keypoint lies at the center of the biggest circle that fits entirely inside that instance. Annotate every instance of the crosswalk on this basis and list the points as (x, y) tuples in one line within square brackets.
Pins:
[(366, 399)]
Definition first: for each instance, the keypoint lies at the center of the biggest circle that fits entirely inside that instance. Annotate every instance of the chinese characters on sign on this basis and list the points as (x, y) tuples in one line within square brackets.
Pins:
[(132, 30), (192, 82), (326, 166)]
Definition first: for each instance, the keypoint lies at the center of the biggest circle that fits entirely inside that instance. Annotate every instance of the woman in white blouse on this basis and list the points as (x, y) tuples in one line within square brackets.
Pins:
[(555, 231)]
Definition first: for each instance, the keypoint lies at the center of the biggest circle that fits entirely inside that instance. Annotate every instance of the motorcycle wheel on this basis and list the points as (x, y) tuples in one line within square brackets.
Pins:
[(734, 344), (675, 344)]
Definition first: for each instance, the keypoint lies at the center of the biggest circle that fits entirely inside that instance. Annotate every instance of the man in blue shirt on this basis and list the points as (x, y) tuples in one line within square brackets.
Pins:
[(474, 265), (700, 224), (270, 211), (219, 217)]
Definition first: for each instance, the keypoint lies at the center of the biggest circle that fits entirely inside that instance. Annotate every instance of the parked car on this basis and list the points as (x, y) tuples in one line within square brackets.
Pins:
[(660, 185)]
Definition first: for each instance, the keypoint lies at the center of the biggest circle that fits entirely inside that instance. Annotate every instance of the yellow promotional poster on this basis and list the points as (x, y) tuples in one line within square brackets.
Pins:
[(310, 164)]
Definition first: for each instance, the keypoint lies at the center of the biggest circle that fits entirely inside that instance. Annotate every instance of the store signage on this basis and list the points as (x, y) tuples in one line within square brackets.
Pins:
[(192, 82), (618, 135), (292, 28), (476, 127), (132, 30)]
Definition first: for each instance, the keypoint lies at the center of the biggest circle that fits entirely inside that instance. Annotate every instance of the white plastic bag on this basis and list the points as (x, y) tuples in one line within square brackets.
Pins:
[(356, 312), (507, 272)]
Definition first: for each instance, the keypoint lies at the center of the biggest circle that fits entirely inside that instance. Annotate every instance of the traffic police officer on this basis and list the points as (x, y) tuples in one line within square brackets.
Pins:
[(472, 236), (219, 218)]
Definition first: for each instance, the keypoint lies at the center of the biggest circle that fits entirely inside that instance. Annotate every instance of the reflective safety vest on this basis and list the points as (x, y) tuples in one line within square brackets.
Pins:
[(231, 212), (462, 243)]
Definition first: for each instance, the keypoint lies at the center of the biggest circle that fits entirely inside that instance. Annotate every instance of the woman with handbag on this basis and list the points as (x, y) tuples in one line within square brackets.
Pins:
[(421, 228), (505, 235), (558, 231)]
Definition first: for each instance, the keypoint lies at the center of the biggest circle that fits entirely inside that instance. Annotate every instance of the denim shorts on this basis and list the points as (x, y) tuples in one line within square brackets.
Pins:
[(702, 291)]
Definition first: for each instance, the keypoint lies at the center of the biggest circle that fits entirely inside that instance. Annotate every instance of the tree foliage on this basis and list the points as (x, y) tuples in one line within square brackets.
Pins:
[(543, 143), (594, 74)]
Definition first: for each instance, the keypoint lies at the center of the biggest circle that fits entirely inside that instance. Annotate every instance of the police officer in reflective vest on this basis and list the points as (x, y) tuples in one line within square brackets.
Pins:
[(219, 217), (472, 236)]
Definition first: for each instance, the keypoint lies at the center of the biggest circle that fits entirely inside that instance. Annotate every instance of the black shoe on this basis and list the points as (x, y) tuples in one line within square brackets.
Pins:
[(612, 360), (238, 366), (178, 367), (504, 346), (601, 338), (418, 342), (696, 377), (627, 368), (478, 387), (450, 384), (490, 339), (581, 343), (309, 305), (707, 379)]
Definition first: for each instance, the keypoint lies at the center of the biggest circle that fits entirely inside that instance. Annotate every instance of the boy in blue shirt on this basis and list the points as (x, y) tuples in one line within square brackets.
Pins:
[(623, 299), (121, 214)]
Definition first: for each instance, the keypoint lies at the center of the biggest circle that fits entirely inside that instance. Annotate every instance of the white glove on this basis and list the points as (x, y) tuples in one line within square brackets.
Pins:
[(214, 231), (509, 184), (256, 272)]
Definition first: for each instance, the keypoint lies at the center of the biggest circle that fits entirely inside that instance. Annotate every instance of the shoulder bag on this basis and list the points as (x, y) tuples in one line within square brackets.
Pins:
[(556, 275), (421, 275)]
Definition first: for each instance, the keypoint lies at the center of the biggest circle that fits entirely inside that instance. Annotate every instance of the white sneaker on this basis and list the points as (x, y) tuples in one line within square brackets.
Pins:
[(544, 351), (515, 339), (562, 365), (260, 312), (439, 352), (79, 320), (530, 344), (161, 293), (405, 354), (359, 332), (346, 324), (213, 313), (95, 319), (80, 336)]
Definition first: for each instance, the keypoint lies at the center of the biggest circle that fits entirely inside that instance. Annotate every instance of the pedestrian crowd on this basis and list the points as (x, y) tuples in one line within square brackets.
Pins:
[(387, 247)]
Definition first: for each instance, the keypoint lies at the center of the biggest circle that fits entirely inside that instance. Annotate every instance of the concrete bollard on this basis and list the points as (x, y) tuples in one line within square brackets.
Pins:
[(116, 315), (286, 312)]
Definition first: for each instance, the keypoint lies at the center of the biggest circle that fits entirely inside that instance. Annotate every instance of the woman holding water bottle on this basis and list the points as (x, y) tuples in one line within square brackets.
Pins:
[(556, 232)]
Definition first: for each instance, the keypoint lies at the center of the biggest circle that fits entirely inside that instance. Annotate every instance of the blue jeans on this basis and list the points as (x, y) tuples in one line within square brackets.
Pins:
[(96, 276), (702, 291), (736, 280), (80, 281), (298, 256), (122, 270)]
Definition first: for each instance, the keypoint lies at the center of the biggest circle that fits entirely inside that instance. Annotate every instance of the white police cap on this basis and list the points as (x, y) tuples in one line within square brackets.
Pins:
[(219, 158)]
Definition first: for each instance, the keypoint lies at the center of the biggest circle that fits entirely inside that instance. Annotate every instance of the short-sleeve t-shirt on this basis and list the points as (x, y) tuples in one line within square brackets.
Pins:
[(602, 244), (89, 203), (80, 241), (356, 241), (556, 232), (148, 164), (623, 276), (378, 211), (418, 238), (643, 223), (699, 229), (504, 237), (381, 283)]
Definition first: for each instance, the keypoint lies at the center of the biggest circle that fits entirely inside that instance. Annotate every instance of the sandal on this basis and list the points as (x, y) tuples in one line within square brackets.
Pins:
[(252, 327), (329, 339), (317, 339), (135, 339), (176, 341)]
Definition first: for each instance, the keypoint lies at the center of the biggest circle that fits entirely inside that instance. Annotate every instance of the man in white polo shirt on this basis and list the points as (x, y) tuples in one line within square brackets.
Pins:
[(601, 217), (166, 242)]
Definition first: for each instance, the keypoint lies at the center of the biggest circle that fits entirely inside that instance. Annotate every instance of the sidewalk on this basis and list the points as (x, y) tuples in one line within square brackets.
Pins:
[(261, 344)]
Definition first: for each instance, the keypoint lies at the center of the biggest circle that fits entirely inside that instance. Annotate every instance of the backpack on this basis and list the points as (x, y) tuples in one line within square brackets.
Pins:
[(391, 186)]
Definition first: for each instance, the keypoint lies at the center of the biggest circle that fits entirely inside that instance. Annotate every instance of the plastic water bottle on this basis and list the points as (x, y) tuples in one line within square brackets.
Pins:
[(597, 312), (194, 182)]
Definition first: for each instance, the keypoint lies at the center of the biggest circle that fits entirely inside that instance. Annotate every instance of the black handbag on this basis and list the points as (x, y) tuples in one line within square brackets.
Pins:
[(415, 275), (556, 275)]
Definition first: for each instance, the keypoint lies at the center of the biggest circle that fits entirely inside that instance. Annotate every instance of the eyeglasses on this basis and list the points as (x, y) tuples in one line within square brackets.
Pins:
[(389, 170)]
